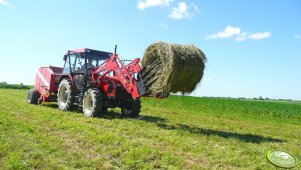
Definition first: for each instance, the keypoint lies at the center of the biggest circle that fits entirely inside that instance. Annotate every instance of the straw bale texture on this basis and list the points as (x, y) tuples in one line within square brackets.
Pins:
[(172, 68)]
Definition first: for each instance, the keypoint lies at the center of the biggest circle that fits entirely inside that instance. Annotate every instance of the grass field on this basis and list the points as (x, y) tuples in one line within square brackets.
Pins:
[(173, 133), (15, 86)]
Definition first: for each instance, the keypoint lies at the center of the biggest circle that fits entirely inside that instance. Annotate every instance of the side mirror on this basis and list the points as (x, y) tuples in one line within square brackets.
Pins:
[(65, 57)]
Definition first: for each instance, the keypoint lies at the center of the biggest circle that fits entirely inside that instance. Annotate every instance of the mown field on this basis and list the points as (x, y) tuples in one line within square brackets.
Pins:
[(173, 133)]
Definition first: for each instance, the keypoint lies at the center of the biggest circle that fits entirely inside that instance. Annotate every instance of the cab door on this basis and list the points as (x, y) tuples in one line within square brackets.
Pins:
[(76, 65)]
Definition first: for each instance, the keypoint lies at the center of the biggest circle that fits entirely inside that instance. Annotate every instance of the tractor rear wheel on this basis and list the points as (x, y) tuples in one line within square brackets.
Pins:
[(33, 96), (66, 96), (93, 103), (131, 108)]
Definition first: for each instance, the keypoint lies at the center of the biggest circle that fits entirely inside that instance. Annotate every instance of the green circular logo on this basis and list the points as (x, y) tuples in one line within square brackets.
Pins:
[(282, 159)]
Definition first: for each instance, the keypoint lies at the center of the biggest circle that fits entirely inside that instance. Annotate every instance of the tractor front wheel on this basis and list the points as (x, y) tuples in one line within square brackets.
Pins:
[(66, 96), (93, 104), (131, 108)]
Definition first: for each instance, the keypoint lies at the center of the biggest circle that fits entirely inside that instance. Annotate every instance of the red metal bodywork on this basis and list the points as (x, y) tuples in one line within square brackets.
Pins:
[(47, 82), (107, 76), (122, 75)]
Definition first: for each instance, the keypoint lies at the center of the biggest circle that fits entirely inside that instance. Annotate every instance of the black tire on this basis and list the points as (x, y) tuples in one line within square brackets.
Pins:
[(66, 96), (105, 110), (93, 103), (33, 96), (131, 108)]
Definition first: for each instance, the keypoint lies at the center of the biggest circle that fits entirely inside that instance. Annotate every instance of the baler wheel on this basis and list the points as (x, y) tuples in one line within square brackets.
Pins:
[(93, 104), (33, 96), (66, 96), (131, 108)]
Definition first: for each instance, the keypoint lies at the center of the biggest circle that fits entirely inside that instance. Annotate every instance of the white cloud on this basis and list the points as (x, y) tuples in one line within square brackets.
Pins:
[(162, 25), (240, 39), (297, 36), (184, 11), (152, 3), (259, 35), (239, 36), (228, 32), (194, 7), (4, 2)]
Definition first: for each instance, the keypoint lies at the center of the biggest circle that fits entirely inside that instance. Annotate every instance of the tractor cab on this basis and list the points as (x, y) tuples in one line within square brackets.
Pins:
[(79, 63), (81, 60)]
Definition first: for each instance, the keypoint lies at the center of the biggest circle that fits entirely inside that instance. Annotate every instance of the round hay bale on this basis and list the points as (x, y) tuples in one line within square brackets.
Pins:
[(172, 68)]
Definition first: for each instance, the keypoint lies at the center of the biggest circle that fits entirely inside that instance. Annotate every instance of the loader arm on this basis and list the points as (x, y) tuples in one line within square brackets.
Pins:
[(134, 66), (122, 73)]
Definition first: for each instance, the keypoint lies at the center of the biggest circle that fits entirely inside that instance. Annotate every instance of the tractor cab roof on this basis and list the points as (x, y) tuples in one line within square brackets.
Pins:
[(89, 53)]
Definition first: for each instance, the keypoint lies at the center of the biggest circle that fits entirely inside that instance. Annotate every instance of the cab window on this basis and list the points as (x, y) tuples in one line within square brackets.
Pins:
[(77, 63), (66, 69)]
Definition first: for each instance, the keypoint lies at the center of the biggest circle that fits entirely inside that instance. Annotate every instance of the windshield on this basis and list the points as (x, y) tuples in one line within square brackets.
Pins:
[(76, 63)]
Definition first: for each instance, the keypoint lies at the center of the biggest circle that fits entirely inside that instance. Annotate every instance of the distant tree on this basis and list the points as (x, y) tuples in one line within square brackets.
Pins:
[(3, 82), (267, 98), (21, 84), (260, 98)]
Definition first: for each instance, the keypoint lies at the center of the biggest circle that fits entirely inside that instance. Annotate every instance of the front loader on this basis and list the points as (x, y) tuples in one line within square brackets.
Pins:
[(105, 83)]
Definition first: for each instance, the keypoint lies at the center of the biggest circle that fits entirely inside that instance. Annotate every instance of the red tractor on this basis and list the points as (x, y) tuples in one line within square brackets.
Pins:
[(95, 80)]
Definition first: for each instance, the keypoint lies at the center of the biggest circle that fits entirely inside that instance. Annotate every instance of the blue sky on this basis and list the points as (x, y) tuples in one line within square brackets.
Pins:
[(253, 46)]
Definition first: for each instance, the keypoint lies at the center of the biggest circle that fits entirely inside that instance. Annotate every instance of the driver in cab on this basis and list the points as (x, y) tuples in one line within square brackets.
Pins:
[(89, 65)]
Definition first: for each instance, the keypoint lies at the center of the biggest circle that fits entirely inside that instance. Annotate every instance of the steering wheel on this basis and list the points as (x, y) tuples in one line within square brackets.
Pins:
[(89, 69)]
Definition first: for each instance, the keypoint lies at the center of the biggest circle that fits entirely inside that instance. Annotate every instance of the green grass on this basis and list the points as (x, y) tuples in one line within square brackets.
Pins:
[(173, 133), (15, 86)]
